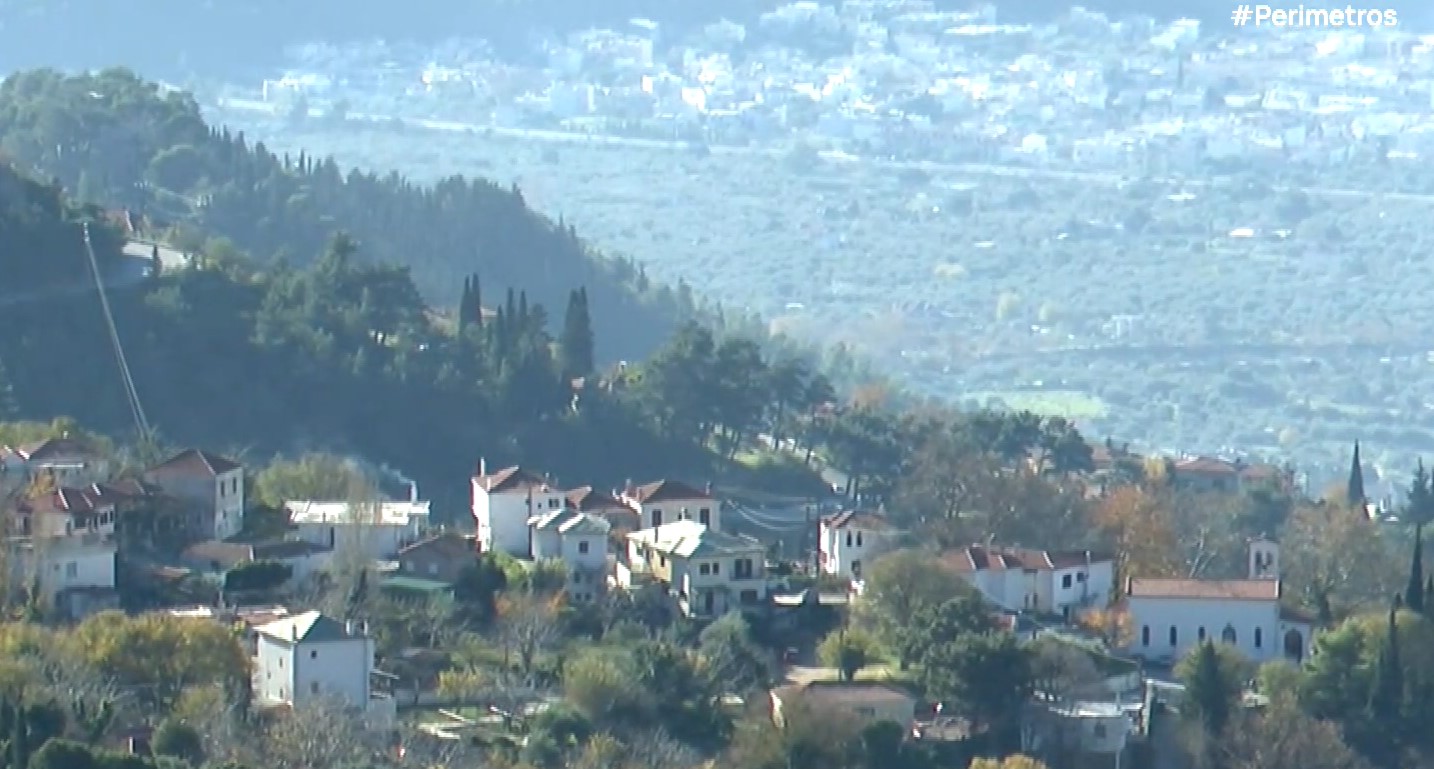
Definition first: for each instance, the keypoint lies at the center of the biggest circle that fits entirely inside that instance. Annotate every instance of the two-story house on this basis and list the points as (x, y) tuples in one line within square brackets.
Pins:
[(441, 557), (663, 502), (377, 530), (65, 460), (309, 658), (579, 541), (708, 572), (503, 502), (849, 540), (211, 487), (64, 543), (1065, 582)]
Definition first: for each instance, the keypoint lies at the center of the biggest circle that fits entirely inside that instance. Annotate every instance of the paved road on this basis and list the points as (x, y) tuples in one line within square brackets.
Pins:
[(131, 270), (969, 169)]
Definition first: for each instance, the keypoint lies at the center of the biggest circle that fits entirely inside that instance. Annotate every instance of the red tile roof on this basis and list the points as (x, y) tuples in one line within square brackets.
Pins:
[(859, 519), (513, 478), (666, 491), (448, 544), (588, 499), (1206, 466), (54, 449), (198, 462), (984, 558), (88, 499), (1205, 589)]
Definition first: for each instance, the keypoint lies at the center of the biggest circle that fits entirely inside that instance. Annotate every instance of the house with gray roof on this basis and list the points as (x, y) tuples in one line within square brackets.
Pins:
[(708, 572), (578, 540), (310, 659)]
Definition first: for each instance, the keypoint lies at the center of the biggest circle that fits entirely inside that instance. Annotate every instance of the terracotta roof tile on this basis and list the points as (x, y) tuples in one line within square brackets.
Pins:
[(1215, 589), (860, 519), (667, 491), (448, 544), (1206, 466), (198, 462), (984, 558), (844, 693), (513, 478), (55, 449), (590, 500)]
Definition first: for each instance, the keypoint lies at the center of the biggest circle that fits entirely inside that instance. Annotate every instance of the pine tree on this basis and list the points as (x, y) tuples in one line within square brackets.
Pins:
[(1419, 507), (1414, 593), (577, 342)]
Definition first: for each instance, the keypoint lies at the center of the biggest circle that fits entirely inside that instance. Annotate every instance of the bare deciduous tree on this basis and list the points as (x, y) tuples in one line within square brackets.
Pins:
[(316, 734), (527, 627)]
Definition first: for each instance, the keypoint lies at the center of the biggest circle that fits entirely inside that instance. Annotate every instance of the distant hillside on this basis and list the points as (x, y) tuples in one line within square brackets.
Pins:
[(345, 356), (170, 38), (112, 137)]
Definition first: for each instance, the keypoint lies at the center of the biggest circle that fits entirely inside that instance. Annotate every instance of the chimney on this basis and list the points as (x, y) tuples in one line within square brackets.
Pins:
[(349, 627), (482, 466), (413, 491), (293, 632), (627, 487), (363, 628), (707, 489)]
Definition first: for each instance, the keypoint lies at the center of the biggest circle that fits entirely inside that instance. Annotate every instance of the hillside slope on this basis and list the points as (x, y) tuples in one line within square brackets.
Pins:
[(115, 138), (338, 356)]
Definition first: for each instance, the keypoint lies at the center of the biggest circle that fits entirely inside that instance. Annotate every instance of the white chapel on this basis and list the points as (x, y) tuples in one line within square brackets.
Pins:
[(1170, 616)]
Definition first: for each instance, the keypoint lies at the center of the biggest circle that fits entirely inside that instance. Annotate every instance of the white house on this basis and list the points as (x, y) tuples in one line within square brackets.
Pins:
[(310, 658), (1065, 582), (66, 544), (663, 502), (708, 572), (579, 541), (504, 501), (1170, 616), (212, 485), (377, 529), (848, 541)]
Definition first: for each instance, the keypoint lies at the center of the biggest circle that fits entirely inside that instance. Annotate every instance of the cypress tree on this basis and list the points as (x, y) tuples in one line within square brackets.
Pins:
[(9, 406), (465, 305), (1207, 693), (577, 342), (19, 738), (1354, 489), (1386, 691), (1414, 593)]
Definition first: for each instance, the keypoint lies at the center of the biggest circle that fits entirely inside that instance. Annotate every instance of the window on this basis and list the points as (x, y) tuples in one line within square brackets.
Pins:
[(848, 539), (432, 568), (866, 712), (72, 570), (704, 517), (1228, 635), (749, 596), (1066, 581), (1200, 635), (1099, 731), (656, 518), (313, 687), (704, 569), (716, 568), (314, 654), (281, 663), (856, 569), (858, 539), (1145, 636), (583, 548), (1080, 576), (553, 503), (1174, 638), (1259, 638)]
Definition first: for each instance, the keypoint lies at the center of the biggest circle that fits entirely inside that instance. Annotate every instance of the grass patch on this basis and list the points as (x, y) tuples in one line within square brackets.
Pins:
[(1071, 404)]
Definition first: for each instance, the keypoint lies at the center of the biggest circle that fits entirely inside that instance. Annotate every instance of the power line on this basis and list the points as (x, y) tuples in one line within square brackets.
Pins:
[(141, 422)]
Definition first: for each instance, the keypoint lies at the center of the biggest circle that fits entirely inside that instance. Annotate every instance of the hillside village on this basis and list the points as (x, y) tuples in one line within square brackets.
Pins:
[(91, 536)]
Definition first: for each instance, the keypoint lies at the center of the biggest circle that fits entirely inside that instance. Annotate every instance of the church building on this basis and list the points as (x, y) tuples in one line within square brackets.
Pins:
[(1168, 617)]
